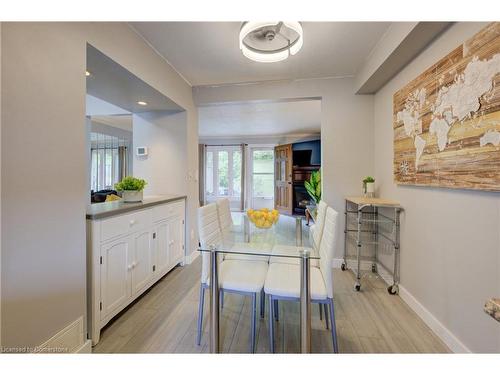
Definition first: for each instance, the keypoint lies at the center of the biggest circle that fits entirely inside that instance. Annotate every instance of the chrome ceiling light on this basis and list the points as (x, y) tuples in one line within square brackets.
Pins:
[(270, 41)]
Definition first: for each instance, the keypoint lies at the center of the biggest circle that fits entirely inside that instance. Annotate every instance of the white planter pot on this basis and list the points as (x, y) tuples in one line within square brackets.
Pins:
[(132, 196), (370, 189)]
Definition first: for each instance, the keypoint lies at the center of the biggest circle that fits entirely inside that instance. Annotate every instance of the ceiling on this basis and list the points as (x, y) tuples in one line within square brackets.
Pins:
[(114, 84), (260, 119), (207, 53)]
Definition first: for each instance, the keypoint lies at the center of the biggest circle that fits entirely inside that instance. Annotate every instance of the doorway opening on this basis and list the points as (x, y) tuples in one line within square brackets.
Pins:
[(259, 154)]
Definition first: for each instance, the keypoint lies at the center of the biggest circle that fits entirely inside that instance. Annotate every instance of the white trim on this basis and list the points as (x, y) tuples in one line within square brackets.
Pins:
[(68, 340), (455, 345), (86, 348), (191, 257), (450, 340)]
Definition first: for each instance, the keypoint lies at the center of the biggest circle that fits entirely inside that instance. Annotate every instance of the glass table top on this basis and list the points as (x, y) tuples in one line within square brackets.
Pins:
[(288, 237)]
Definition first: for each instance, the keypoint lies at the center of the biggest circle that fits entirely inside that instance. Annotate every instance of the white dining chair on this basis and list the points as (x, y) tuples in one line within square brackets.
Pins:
[(244, 277), (224, 212), (315, 240), (229, 233), (283, 279)]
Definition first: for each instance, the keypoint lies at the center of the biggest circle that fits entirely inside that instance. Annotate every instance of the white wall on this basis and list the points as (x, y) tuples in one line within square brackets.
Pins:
[(165, 166), (450, 239), (346, 129), (44, 187)]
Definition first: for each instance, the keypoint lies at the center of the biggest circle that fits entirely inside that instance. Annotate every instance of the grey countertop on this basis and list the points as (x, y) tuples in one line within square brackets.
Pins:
[(103, 210)]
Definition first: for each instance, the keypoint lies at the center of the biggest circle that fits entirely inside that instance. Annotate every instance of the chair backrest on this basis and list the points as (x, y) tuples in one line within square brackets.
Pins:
[(327, 248), (225, 218), (319, 225), (209, 234)]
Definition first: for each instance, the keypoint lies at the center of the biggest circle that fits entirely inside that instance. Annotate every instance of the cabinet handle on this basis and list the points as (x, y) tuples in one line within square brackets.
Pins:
[(129, 267)]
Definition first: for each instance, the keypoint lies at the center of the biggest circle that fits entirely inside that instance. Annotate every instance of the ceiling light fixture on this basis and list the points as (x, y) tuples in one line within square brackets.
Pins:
[(142, 103), (270, 41)]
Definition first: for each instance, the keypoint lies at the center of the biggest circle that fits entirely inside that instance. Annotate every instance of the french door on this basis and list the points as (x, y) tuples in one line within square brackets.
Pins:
[(223, 174)]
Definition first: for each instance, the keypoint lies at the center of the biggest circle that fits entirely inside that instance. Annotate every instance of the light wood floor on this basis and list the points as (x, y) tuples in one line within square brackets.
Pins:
[(163, 320)]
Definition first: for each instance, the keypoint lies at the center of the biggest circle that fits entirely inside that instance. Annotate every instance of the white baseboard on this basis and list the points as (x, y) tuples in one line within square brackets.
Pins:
[(455, 345), (68, 340), (86, 348), (191, 257)]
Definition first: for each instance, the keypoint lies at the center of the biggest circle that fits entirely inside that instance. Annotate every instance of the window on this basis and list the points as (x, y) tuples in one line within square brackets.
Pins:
[(263, 173), (223, 172), (108, 161)]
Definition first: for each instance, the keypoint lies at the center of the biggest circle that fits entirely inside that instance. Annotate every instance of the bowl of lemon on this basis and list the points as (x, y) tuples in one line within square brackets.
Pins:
[(263, 218)]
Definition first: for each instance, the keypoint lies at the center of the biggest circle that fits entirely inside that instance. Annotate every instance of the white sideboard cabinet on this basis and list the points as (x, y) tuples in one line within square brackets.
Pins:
[(129, 248)]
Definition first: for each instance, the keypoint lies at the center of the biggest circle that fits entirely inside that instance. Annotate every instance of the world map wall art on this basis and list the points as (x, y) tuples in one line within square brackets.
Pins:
[(447, 120)]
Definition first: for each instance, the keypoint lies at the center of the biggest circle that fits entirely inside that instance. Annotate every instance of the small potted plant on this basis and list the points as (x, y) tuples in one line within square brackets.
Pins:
[(131, 189), (369, 186)]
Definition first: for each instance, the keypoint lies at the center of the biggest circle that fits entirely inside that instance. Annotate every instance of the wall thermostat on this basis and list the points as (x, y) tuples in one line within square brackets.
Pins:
[(142, 151)]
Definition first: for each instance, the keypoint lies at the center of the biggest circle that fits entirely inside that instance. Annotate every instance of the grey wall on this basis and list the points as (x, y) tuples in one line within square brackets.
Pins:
[(450, 239), (44, 187), (346, 129), (165, 166)]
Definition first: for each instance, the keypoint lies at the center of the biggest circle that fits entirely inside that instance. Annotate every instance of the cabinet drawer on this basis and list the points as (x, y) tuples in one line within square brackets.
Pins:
[(124, 224), (165, 211)]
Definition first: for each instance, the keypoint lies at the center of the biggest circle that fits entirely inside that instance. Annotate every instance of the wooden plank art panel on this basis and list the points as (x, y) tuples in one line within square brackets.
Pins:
[(447, 120)]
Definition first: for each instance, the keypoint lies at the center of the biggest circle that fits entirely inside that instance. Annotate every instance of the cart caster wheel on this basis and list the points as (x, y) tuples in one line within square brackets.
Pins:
[(393, 289), (343, 266), (357, 287), (374, 268)]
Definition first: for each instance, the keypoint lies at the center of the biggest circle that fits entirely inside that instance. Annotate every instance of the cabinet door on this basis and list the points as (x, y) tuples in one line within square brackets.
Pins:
[(142, 266), (176, 240), (115, 275), (162, 246)]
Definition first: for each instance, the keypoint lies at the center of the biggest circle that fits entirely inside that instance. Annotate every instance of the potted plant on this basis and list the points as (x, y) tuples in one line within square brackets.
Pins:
[(313, 188), (369, 186), (131, 189)]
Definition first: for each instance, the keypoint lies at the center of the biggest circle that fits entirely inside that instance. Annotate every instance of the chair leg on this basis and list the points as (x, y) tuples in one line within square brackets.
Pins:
[(271, 324), (325, 305), (221, 299), (334, 328), (200, 315), (262, 303), (254, 323), (320, 312), (276, 310)]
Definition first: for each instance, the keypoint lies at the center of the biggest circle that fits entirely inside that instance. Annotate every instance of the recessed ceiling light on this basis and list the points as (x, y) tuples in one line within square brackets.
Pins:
[(142, 103), (87, 73)]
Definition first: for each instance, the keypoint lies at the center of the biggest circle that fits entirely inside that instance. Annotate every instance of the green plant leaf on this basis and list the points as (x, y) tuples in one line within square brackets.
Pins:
[(131, 183)]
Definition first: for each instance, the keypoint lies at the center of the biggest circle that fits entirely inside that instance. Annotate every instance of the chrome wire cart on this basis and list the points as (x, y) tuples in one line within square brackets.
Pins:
[(372, 228)]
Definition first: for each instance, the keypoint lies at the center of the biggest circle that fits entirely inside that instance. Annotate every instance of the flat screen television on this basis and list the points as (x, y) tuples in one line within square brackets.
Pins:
[(302, 158)]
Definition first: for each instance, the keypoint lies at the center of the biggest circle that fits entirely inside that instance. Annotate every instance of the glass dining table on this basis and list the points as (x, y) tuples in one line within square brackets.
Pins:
[(245, 238)]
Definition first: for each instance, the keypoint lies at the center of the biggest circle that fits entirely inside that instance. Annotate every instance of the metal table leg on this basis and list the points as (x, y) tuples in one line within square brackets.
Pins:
[(298, 231), (305, 303), (214, 302), (357, 285)]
